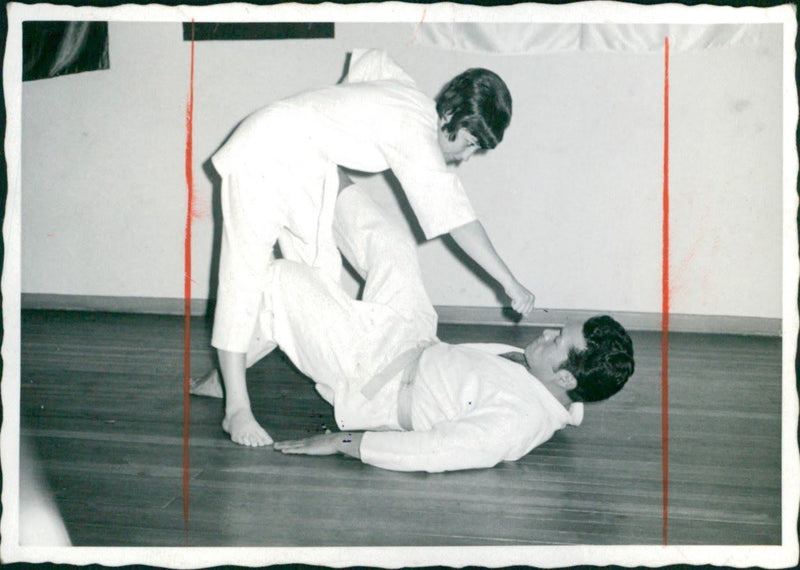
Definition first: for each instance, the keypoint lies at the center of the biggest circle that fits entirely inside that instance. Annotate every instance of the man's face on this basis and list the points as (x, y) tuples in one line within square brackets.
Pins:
[(546, 354), (460, 149)]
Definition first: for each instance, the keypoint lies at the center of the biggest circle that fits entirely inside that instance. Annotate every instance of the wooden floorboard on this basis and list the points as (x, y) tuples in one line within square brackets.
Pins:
[(102, 409)]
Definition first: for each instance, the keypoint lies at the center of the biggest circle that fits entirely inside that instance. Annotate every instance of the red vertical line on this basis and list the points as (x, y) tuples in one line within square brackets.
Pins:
[(665, 305), (187, 286)]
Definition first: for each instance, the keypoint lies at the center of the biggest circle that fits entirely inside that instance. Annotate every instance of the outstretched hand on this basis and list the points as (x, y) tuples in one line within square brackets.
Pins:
[(522, 300), (323, 444)]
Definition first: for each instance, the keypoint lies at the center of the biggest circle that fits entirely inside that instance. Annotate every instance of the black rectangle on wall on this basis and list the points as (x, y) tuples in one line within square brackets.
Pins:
[(200, 31)]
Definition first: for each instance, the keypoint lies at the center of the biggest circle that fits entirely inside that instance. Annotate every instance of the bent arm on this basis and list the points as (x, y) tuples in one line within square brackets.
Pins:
[(473, 239), (479, 441)]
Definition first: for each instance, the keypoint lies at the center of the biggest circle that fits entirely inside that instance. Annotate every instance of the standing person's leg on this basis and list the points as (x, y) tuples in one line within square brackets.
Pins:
[(251, 223), (320, 252), (261, 204)]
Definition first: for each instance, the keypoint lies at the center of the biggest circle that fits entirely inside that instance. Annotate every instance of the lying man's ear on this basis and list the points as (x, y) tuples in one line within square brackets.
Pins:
[(566, 380)]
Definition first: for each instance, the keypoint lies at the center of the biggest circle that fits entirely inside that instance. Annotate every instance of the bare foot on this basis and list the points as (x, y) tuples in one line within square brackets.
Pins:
[(209, 385), (244, 429)]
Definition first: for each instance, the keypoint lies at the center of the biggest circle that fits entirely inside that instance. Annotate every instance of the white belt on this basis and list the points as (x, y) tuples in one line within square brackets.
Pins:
[(407, 363)]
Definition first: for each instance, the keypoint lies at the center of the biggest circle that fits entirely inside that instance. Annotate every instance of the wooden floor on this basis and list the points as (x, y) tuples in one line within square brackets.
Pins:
[(102, 406)]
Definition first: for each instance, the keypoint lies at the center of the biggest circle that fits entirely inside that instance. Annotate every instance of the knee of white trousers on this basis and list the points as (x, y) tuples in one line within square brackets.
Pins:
[(367, 237)]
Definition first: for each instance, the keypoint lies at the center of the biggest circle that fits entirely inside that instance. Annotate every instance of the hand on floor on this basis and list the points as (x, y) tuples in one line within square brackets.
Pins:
[(324, 444)]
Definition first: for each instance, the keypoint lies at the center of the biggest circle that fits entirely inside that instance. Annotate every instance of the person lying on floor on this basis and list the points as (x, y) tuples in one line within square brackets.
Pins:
[(403, 400)]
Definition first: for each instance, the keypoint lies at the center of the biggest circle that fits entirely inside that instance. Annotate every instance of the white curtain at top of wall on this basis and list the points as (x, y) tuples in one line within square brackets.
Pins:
[(531, 38)]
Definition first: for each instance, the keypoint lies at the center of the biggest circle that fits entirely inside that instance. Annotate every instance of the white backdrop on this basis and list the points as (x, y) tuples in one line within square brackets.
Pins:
[(571, 198)]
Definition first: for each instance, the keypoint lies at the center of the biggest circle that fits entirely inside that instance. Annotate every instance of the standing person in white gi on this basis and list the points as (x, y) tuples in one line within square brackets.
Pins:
[(279, 182)]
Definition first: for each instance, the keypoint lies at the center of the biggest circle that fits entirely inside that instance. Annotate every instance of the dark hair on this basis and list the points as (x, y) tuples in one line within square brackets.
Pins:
[(603, 368), (479, 101)]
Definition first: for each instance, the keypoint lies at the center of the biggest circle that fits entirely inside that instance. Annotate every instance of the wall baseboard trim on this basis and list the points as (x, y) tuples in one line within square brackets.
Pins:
[(634, 321), (112, 304), (448, 314)]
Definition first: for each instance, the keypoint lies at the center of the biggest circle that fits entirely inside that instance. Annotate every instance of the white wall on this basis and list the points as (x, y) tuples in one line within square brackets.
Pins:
[(572, 197)]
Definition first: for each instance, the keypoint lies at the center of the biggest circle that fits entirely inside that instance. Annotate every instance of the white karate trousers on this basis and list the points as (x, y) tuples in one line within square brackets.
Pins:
[(339, 342)]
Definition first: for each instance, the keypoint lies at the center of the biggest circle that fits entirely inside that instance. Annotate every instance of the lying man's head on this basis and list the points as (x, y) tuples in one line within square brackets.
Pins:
[(591, 361)]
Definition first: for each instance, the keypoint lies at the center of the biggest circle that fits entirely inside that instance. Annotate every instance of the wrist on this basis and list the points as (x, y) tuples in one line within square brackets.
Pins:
[(349, 443), (509, 283)]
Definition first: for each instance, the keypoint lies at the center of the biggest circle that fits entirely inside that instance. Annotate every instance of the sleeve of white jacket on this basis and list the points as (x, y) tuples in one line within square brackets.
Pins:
[(481, 439), (437, 196)]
